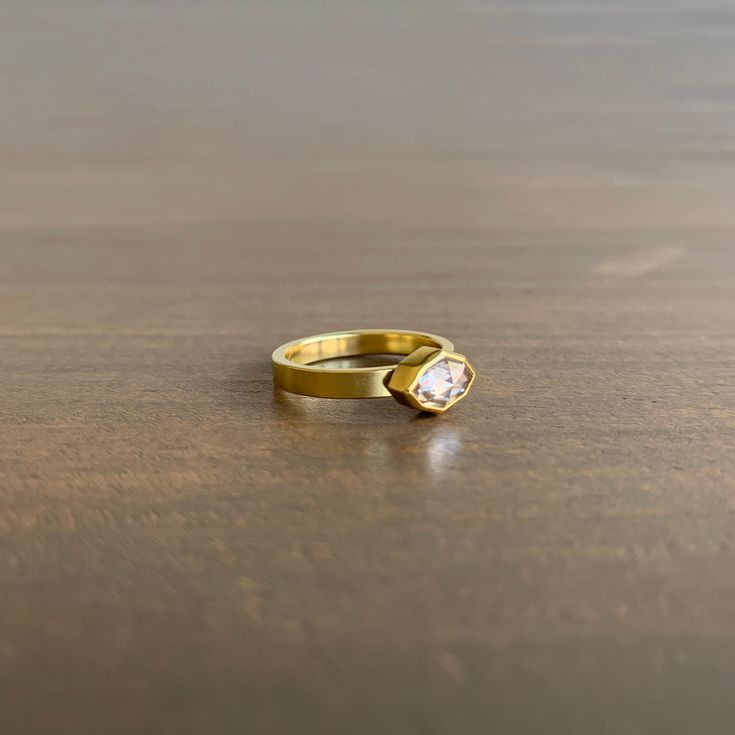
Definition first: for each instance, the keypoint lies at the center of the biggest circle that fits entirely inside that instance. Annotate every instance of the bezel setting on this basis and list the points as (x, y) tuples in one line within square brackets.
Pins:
[(405, 379)]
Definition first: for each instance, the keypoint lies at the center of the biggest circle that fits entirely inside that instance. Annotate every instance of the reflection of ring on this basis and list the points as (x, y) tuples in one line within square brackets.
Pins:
[(430, 378)]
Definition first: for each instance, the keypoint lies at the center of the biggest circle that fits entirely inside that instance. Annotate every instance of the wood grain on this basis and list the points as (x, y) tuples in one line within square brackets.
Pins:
[(184, 550)]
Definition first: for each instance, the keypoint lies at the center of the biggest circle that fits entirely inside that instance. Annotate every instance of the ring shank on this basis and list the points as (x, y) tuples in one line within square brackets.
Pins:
[(293, 372)]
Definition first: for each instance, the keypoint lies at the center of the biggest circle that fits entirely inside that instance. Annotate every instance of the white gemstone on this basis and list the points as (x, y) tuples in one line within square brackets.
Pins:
[(442, 383)]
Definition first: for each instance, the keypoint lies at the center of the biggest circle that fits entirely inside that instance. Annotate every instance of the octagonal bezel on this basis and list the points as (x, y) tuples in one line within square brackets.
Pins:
[(408, 372)]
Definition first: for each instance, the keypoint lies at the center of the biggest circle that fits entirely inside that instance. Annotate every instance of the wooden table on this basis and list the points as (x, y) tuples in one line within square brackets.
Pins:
[(185, 186)]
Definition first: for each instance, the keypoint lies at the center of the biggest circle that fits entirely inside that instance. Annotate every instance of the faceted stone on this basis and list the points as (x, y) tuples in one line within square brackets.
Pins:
[(442, 383)]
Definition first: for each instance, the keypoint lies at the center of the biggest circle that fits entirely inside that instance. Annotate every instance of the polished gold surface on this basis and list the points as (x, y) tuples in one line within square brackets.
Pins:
[(293, 372)]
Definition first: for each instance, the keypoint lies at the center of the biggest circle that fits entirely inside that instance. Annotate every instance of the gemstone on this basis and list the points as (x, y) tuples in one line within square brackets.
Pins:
[(443, 383)]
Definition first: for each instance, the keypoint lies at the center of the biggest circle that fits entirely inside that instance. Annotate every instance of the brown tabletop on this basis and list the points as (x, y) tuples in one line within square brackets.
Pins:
[(184, 186)]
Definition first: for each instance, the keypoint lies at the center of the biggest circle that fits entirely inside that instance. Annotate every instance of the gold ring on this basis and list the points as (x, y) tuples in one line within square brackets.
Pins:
[(432, 377)]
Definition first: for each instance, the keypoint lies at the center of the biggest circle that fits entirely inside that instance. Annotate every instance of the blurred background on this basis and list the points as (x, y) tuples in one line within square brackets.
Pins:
[(522, 115), (185, 185)]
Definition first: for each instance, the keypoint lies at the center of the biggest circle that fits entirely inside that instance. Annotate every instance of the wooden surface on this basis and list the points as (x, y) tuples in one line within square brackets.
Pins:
[(184, 186)]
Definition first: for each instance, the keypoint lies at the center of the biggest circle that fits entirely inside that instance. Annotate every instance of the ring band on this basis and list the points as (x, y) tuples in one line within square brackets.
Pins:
[(292, 371), (431, 377)]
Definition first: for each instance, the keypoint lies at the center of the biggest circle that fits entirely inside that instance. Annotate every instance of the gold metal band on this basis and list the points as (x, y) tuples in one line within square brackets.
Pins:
[(293, 371)]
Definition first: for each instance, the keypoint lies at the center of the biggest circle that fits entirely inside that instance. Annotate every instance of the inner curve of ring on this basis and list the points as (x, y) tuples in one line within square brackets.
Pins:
[(356, 345)]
